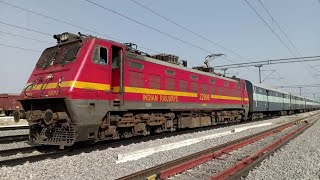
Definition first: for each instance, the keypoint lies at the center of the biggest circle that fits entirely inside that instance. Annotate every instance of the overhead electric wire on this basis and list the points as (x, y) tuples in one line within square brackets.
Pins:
[(150, 27), (284, 33), (25, 37), (256, 12), (274, 20), (269, 27), (299, 85), (28, 29), (17, 47), (270, 62), (183, 27), (67, 23)]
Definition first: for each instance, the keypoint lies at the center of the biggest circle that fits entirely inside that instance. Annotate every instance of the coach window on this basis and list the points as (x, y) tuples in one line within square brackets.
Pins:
[(226, 84), (212, 81), (100, 55)]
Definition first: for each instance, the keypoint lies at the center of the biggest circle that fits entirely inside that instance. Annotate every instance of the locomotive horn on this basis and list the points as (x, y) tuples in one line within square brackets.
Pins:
[(48, 117)]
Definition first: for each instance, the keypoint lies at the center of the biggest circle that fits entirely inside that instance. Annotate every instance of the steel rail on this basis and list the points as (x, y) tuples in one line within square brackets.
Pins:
[(14, 138), (244, 171), (241, 165), (179, 165), (33, 158), (7, 128), (23, 150)]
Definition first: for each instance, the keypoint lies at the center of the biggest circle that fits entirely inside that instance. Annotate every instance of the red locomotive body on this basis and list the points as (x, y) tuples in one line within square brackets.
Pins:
[(87, 88), (9, 104)]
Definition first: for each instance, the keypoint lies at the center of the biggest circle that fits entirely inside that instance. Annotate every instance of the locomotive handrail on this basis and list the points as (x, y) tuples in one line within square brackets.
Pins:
[(48, 79), (32, 84)]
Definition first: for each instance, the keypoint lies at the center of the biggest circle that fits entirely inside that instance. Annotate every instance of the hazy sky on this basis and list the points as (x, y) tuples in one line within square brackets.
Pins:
[(229, 23)]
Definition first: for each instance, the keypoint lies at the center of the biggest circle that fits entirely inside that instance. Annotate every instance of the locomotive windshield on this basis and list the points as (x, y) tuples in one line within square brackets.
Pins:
[(59, 55)]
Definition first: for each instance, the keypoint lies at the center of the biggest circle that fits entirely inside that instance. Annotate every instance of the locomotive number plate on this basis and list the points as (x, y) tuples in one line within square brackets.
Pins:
[(204, 97)]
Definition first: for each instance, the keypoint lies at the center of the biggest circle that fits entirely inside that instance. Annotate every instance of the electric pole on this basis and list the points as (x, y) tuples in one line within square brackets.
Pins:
[(300, 90), (259, 66)]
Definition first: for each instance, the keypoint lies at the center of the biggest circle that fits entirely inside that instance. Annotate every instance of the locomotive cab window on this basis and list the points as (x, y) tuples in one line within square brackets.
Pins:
[(100, 55), (59, 55)]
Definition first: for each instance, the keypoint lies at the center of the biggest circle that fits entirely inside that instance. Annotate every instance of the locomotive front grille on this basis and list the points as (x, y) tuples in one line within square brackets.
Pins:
[(57, 136)]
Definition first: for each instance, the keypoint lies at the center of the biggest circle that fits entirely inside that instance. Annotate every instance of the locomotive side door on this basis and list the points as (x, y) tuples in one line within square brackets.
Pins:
[(117, 85)]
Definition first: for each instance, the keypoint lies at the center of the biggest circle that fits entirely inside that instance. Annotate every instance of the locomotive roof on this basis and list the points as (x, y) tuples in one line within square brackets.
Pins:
[(156, 61)]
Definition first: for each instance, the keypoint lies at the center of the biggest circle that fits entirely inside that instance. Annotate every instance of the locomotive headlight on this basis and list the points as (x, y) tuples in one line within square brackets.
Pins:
[(64, 37)]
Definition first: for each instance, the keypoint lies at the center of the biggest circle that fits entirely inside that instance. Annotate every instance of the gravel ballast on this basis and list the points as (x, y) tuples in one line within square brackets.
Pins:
[(13, 145), (299, 159), (101, 164), (212, 167)]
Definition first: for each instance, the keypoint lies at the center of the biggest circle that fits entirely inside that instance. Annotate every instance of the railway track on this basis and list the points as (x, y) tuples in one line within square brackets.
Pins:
[(228, 161), (32, 157), (25, 137), (14, 151), (7, 128), (8, 158), (14, 138)]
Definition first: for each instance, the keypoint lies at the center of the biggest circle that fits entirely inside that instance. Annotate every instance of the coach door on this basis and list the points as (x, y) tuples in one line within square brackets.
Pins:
[(117, 76)]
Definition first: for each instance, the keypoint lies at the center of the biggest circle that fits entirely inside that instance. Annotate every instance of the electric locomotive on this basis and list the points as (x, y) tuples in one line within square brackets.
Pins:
[(90, 89)]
